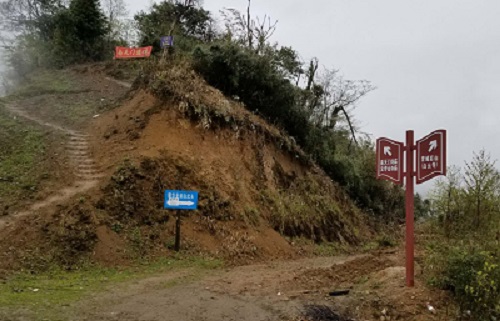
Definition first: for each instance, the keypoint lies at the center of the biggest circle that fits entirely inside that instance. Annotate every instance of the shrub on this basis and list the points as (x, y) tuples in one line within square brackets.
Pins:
[(238, 71), (472, 275), (483, 290)]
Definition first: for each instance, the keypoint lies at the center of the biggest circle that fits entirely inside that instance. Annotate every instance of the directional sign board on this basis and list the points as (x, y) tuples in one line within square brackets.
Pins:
[(181, 200), (390, 160), (166, 41), (431, 156)]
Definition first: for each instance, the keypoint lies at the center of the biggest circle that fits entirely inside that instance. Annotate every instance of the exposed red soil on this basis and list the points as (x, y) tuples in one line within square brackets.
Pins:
[(241, 165), (237, 166)]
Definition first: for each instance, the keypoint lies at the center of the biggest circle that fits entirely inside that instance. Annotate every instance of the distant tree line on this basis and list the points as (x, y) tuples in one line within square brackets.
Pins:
[(55, 33)]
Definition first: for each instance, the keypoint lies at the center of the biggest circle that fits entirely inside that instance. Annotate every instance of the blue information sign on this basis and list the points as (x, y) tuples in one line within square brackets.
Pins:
[(181, 200), (167, 41)]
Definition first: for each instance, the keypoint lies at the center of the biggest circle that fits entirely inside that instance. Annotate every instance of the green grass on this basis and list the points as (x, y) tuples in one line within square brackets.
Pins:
[(45, 294), (22, 147), (329, 249), (44, 82), (76, 109), (61, 95)]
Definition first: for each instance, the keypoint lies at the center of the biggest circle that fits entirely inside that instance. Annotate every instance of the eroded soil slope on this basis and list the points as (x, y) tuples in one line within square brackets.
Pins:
[(258, 190), (256, 186)]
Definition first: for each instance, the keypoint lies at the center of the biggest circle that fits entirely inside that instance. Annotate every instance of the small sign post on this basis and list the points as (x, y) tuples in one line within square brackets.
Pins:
[(180, 200), (166, 41), (430, 162)]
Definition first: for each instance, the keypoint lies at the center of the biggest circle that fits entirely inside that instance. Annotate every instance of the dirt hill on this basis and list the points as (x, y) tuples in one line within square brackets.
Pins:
[(260, 195)]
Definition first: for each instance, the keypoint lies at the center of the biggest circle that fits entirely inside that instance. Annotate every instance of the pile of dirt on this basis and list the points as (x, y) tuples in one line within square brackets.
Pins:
[(257, 187), (252, 179), (341, 276), (372, 287)]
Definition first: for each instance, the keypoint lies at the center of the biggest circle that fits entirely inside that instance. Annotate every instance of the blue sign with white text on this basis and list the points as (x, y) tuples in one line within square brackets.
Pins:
[(181, 200), (167, 41)]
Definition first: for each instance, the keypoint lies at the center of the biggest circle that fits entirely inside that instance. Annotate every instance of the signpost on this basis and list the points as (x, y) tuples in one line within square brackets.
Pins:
[(180, 200), (430, 161), (166, 41)]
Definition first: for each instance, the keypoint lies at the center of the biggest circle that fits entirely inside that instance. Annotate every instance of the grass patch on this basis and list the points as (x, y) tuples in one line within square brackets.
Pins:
[(44, 295), (330, 249), (60, 97), (382, 241), (71, 110), (44, 82), (22, 147), (322, 248)]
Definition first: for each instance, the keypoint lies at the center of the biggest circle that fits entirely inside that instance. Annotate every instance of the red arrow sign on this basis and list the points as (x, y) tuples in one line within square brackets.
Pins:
[(390, 160), (431, 156)]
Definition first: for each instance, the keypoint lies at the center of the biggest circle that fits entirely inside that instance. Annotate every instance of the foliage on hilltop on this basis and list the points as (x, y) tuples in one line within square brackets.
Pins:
[(313, 105)]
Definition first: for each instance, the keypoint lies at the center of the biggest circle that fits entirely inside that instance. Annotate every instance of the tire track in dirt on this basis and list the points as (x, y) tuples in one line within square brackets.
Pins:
[(85, 168)]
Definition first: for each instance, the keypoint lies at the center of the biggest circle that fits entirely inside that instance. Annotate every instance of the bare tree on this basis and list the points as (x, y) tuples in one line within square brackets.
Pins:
[(338, 97), (116, 12), (250, 32), (311, 73)]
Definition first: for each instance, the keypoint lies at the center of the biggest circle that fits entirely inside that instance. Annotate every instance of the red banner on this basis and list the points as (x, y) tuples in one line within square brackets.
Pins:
[(127, 53)]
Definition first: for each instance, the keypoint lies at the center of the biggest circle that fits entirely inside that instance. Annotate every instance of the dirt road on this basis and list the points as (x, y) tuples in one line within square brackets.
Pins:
[(290, 290), (258, 293)]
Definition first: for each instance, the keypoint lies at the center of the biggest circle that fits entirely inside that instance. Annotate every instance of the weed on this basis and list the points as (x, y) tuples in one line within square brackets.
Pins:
[(328, 249), (251, 216), (385, 241), (138, 244), (117, 227), (170, 244), (314, 214), (370, 246)]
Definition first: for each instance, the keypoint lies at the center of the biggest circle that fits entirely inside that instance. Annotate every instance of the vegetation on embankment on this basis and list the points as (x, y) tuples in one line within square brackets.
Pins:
[(463, 255), (22, 151), (32, 159)]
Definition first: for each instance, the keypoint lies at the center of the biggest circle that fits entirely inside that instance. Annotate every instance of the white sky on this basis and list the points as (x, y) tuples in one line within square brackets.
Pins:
[(436, 63)]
